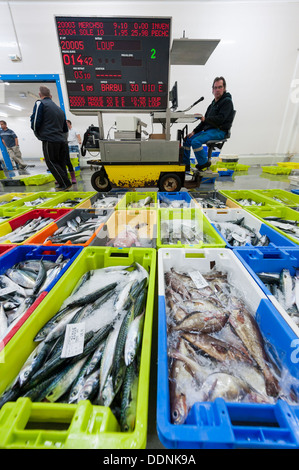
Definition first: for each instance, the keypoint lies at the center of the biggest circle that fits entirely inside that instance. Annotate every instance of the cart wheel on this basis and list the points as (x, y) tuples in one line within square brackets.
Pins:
[(83, 151), (100, 181), (170, 182)]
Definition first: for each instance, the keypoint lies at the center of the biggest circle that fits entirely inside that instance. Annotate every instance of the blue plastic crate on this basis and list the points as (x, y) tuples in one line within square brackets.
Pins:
[(295, 191), (223, 424), (176, 196), (26, 252)]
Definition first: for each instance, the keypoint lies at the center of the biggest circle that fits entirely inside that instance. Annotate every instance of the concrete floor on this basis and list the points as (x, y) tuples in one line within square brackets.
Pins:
[(254, 178)]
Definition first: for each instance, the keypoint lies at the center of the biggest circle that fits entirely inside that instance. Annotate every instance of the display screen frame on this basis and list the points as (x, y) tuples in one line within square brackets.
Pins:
[(131, 102)]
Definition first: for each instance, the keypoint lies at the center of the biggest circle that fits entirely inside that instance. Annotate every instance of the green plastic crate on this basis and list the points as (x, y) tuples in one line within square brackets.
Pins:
[(276, 170), (286, 197), (229, 165), (37, 180), (24, 424), (133, 197), (201, 222), (241, 167), (282, 212), (238, 195), (9, 196), (292, 165), (65, 195)]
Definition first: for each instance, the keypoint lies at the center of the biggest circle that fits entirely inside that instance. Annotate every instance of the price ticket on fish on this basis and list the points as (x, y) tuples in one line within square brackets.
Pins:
[(115, 63)]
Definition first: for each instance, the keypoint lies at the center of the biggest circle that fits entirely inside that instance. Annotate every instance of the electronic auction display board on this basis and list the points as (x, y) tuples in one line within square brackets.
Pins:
[(115, 63)]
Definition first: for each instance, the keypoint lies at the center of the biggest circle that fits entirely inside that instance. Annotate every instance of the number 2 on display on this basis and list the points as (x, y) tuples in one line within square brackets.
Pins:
[(153, 51)]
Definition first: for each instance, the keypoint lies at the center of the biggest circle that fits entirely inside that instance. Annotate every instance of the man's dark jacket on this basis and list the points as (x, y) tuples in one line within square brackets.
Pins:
[(48, 121), (219, 115)]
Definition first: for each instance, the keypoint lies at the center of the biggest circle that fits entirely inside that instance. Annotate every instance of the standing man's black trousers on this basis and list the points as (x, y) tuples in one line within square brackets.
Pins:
[(54, 153)]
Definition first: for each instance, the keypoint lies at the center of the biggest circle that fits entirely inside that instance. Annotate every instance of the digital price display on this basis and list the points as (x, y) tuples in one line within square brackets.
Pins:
[(115, 63)]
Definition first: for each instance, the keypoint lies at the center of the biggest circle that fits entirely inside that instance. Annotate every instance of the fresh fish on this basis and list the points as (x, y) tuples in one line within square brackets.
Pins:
[(218, 349), (202, 321), (246, 328), (129, 399), (237, 234), (3, 321), (223, 385), (133, 339), (90, 387), (64, 380), (105, 202), (33, 362), (141, 203), (128, 237), (30, 228), (79, 382), (287, 287), (99, 372)]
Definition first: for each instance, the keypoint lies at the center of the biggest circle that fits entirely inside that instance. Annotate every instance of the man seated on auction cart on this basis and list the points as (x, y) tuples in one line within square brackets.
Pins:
[(214, 125)]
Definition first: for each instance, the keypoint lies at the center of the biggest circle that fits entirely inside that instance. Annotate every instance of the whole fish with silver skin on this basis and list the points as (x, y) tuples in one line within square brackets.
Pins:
[(175, 204), (69, 203), (107, 202), (173, 231), (99, 373), (21, 284), (77, 230), (250, 202), (37, 202), (290, 227), (238, 234), (285, 289), (146, 202), (27, 230)]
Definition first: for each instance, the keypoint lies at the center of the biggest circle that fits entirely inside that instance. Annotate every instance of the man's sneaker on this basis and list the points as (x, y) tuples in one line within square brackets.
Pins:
[(64, 188), (204, 165)]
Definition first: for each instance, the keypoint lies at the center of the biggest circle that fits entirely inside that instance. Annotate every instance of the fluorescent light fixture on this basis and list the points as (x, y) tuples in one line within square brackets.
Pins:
[(3, 114), (15, 106)]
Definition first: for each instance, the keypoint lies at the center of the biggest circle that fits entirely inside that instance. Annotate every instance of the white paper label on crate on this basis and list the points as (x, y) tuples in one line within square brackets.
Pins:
[(73, 340), (198, 279)]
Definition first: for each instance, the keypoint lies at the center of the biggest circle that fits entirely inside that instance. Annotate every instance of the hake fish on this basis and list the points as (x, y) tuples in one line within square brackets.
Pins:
[(246, 328), (215, 347)]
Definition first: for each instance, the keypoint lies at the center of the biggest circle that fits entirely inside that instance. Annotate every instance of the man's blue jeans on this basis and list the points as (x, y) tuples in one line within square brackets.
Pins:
[(196, 142)]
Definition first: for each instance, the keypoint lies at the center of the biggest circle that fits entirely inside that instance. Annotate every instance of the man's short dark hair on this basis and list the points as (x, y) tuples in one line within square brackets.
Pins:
[(69, 121), (4, 122), (45, 91), (217, 80)]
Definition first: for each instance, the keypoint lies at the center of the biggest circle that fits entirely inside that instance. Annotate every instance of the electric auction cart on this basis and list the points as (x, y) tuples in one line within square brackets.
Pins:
[(121, 65)]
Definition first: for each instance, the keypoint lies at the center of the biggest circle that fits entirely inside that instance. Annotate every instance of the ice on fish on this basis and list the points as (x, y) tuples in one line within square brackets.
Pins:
[(231, 361)]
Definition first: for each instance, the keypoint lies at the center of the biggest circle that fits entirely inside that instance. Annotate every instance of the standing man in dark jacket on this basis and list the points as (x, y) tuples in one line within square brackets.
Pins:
[(49, 125), (214, 124)]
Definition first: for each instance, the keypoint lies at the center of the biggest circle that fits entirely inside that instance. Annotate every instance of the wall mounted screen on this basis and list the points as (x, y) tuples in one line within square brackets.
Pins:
[(115, 63)]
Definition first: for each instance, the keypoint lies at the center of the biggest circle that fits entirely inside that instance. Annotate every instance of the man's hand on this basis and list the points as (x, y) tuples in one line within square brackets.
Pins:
[(191, 134)]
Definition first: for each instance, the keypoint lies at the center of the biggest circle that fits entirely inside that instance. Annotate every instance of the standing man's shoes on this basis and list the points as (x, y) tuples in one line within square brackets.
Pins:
[(64, 188)]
